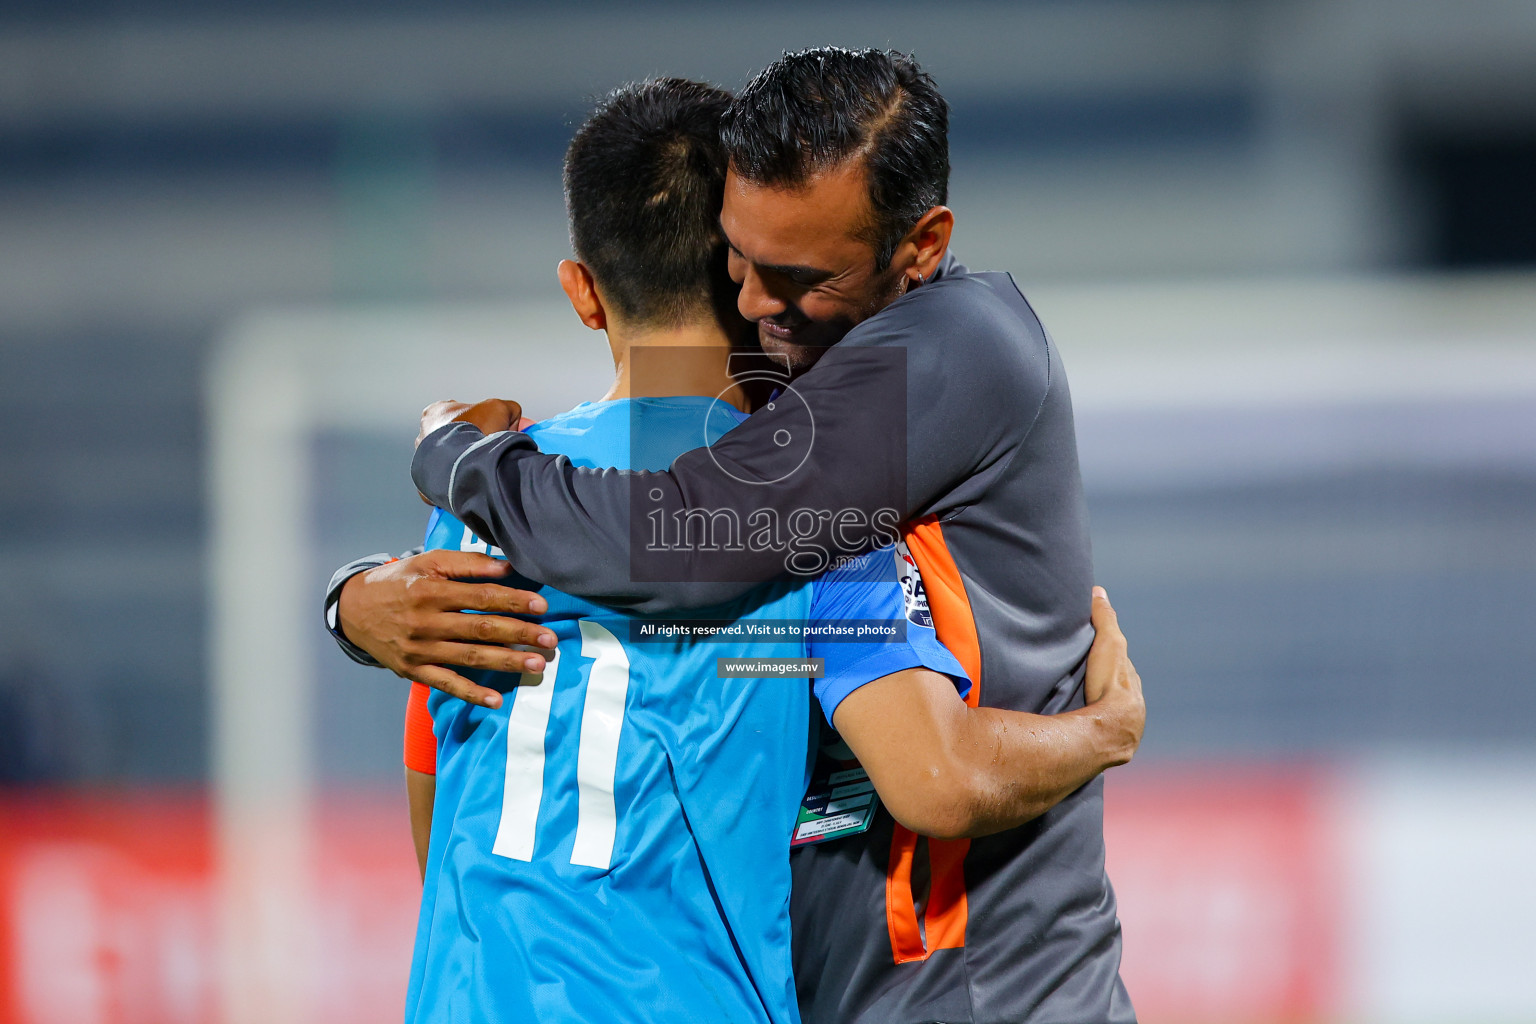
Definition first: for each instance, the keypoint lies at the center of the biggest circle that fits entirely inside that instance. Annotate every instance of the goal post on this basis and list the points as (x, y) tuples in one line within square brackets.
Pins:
[(276, 381)]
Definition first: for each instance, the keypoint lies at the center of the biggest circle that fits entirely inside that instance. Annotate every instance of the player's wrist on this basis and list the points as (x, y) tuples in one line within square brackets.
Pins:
[(1114, 727), (1120, 723)]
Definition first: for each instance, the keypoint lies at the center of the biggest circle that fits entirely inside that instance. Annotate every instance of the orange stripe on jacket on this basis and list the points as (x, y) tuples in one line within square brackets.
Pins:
[(420, 740), (952, 616), (947, 912)]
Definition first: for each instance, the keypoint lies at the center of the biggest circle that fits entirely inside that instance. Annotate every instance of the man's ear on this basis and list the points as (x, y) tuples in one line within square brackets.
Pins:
[(579, 287), (927, 242)]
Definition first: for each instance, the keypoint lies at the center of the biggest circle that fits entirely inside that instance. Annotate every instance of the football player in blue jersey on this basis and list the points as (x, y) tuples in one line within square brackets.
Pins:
[(609, 842)]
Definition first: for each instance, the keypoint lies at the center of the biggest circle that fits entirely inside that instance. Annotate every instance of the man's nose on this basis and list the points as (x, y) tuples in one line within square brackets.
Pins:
[(755, 301)]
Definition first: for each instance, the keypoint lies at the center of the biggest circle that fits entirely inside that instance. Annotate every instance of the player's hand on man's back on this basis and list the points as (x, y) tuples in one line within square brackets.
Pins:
[(490, 416), (1111, 683), (413, 616), (949, 770)]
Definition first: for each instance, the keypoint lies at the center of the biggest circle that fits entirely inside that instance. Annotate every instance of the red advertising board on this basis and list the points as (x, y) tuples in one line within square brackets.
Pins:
[(1227, 884), (109, 914)]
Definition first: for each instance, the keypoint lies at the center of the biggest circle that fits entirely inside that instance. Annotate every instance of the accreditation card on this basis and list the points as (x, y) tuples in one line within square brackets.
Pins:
[(840, 801)]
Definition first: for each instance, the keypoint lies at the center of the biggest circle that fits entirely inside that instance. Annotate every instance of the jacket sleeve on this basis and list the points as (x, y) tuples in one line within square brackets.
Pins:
[(878, 431), (333, 600)]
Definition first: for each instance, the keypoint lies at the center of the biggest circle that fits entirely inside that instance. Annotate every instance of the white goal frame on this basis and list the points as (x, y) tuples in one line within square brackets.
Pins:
[(277, 380)]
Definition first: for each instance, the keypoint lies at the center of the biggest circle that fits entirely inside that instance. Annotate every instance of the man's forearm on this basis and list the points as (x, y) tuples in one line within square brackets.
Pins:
[(542, 511), (817, 475)]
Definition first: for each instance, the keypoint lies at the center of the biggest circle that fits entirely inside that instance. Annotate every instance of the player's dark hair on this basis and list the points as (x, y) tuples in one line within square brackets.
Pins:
[(644, 181), (812, 110)]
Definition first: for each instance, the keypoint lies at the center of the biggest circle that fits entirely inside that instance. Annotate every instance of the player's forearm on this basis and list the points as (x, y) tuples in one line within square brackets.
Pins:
[(947, 770), (420, 792), (1012, 767)]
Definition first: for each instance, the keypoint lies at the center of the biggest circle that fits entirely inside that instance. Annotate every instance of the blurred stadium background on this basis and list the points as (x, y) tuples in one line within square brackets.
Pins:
[(1287, 248)]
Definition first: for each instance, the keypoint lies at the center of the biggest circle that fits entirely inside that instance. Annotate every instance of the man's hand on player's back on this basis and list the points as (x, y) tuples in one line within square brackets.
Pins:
[(491, 416), (412, 616)]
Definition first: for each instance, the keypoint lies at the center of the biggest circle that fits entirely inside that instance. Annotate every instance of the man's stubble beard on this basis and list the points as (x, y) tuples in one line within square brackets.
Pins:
[(796, 359)]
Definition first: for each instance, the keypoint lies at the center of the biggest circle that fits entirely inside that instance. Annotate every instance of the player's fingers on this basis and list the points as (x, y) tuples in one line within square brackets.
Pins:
[(1109, 667), (471, 564), (486, 629), (490, 657), (455, 685), (1105, 622)]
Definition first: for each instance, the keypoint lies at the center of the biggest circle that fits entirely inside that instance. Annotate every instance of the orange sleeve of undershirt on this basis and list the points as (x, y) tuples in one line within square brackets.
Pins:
[(420, 740)]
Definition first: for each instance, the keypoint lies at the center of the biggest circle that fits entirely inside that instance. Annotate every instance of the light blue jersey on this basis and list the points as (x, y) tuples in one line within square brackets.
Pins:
[(611, 845)]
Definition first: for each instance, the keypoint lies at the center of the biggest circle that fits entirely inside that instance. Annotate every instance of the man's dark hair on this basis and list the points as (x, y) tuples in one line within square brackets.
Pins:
[(810, 111), (644, 181)]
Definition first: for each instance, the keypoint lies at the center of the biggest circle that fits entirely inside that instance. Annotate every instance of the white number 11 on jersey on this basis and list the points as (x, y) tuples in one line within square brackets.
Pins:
[(597, 754)]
